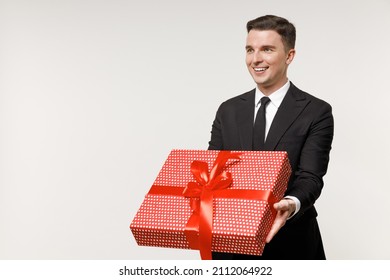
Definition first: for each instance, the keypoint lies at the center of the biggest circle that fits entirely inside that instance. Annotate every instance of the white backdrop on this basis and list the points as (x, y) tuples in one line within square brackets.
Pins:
[(94, 94)]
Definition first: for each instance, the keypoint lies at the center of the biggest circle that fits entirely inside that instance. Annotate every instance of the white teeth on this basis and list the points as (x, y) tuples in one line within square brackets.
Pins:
[(257, 69)]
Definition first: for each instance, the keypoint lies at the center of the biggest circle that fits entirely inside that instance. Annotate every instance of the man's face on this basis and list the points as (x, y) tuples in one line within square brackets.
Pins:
[(267, 59)]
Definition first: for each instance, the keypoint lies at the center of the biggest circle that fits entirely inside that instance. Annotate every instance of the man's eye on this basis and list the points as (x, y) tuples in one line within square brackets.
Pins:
[(268, 50), (249, 50)]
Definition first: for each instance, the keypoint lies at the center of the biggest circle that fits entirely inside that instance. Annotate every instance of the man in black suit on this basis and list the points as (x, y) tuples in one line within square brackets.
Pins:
[(296, 122)]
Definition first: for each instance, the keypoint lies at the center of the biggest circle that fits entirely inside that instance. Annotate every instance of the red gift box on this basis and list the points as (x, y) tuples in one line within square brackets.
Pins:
[(213, 201)]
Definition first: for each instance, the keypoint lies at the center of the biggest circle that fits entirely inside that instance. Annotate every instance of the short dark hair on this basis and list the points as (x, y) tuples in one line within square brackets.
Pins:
[(281, 25)]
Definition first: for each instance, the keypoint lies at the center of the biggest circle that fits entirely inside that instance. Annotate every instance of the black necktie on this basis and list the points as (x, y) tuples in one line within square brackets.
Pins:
[(259, 126)]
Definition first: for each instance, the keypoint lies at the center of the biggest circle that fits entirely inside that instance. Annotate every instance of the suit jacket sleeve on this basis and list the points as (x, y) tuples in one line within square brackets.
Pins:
[(310, 164)]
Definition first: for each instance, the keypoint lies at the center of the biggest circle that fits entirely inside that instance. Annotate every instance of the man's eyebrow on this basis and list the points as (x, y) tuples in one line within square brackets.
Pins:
[(261, 47), (268, 47)]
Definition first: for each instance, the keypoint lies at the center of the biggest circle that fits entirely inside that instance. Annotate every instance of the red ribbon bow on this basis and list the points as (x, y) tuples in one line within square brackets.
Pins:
[(199, 227)]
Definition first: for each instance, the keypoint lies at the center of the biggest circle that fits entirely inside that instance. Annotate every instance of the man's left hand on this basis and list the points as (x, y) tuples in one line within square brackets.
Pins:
[(284, 208)]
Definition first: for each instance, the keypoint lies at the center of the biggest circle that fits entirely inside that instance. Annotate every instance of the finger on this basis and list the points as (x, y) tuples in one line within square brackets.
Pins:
[(282, 205), (274, 230), (271, 233), (279, 222)]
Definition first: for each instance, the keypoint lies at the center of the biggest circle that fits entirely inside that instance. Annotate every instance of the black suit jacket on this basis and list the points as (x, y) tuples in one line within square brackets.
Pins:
[(302, 126)]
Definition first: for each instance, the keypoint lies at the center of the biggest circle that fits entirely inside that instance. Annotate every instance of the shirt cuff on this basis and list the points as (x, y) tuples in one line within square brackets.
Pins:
[(297, 204)]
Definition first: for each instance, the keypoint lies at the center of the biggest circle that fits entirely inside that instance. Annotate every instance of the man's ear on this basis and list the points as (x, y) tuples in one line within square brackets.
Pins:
[(290, 56)]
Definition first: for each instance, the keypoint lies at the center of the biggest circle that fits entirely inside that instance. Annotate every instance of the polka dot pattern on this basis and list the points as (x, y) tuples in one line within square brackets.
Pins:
[(239, 225)]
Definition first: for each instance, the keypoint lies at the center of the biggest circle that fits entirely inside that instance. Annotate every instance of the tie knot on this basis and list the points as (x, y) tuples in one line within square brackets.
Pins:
[(264, 100)]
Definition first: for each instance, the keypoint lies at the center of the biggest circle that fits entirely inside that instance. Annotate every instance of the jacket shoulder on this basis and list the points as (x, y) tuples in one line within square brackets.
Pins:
[(301, 95), (244, 97)]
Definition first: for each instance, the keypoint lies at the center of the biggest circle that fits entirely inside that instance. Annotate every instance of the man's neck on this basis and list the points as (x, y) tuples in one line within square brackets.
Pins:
[(267, 91)]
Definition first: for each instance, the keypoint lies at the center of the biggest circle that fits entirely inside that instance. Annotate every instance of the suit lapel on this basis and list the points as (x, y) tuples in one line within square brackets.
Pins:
[(245, 116), (290, 108)]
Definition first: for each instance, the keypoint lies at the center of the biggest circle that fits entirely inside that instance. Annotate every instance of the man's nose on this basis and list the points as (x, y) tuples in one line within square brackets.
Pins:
[(258, 57)]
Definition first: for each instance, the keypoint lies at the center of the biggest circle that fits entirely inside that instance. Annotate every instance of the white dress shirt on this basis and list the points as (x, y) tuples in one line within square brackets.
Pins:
[(276, 99)]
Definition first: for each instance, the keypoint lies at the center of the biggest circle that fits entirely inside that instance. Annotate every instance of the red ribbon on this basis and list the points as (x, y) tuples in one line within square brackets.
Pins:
[(202, 194), (198, 229)]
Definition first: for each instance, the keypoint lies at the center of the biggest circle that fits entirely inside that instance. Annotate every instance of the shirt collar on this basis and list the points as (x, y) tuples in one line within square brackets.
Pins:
[(276, 97)]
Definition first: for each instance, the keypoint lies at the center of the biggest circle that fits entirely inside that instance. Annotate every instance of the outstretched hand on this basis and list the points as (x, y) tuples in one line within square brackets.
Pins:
[(284, 208)]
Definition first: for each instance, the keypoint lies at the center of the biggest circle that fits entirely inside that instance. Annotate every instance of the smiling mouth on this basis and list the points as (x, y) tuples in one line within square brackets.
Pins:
[(260, 69)]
